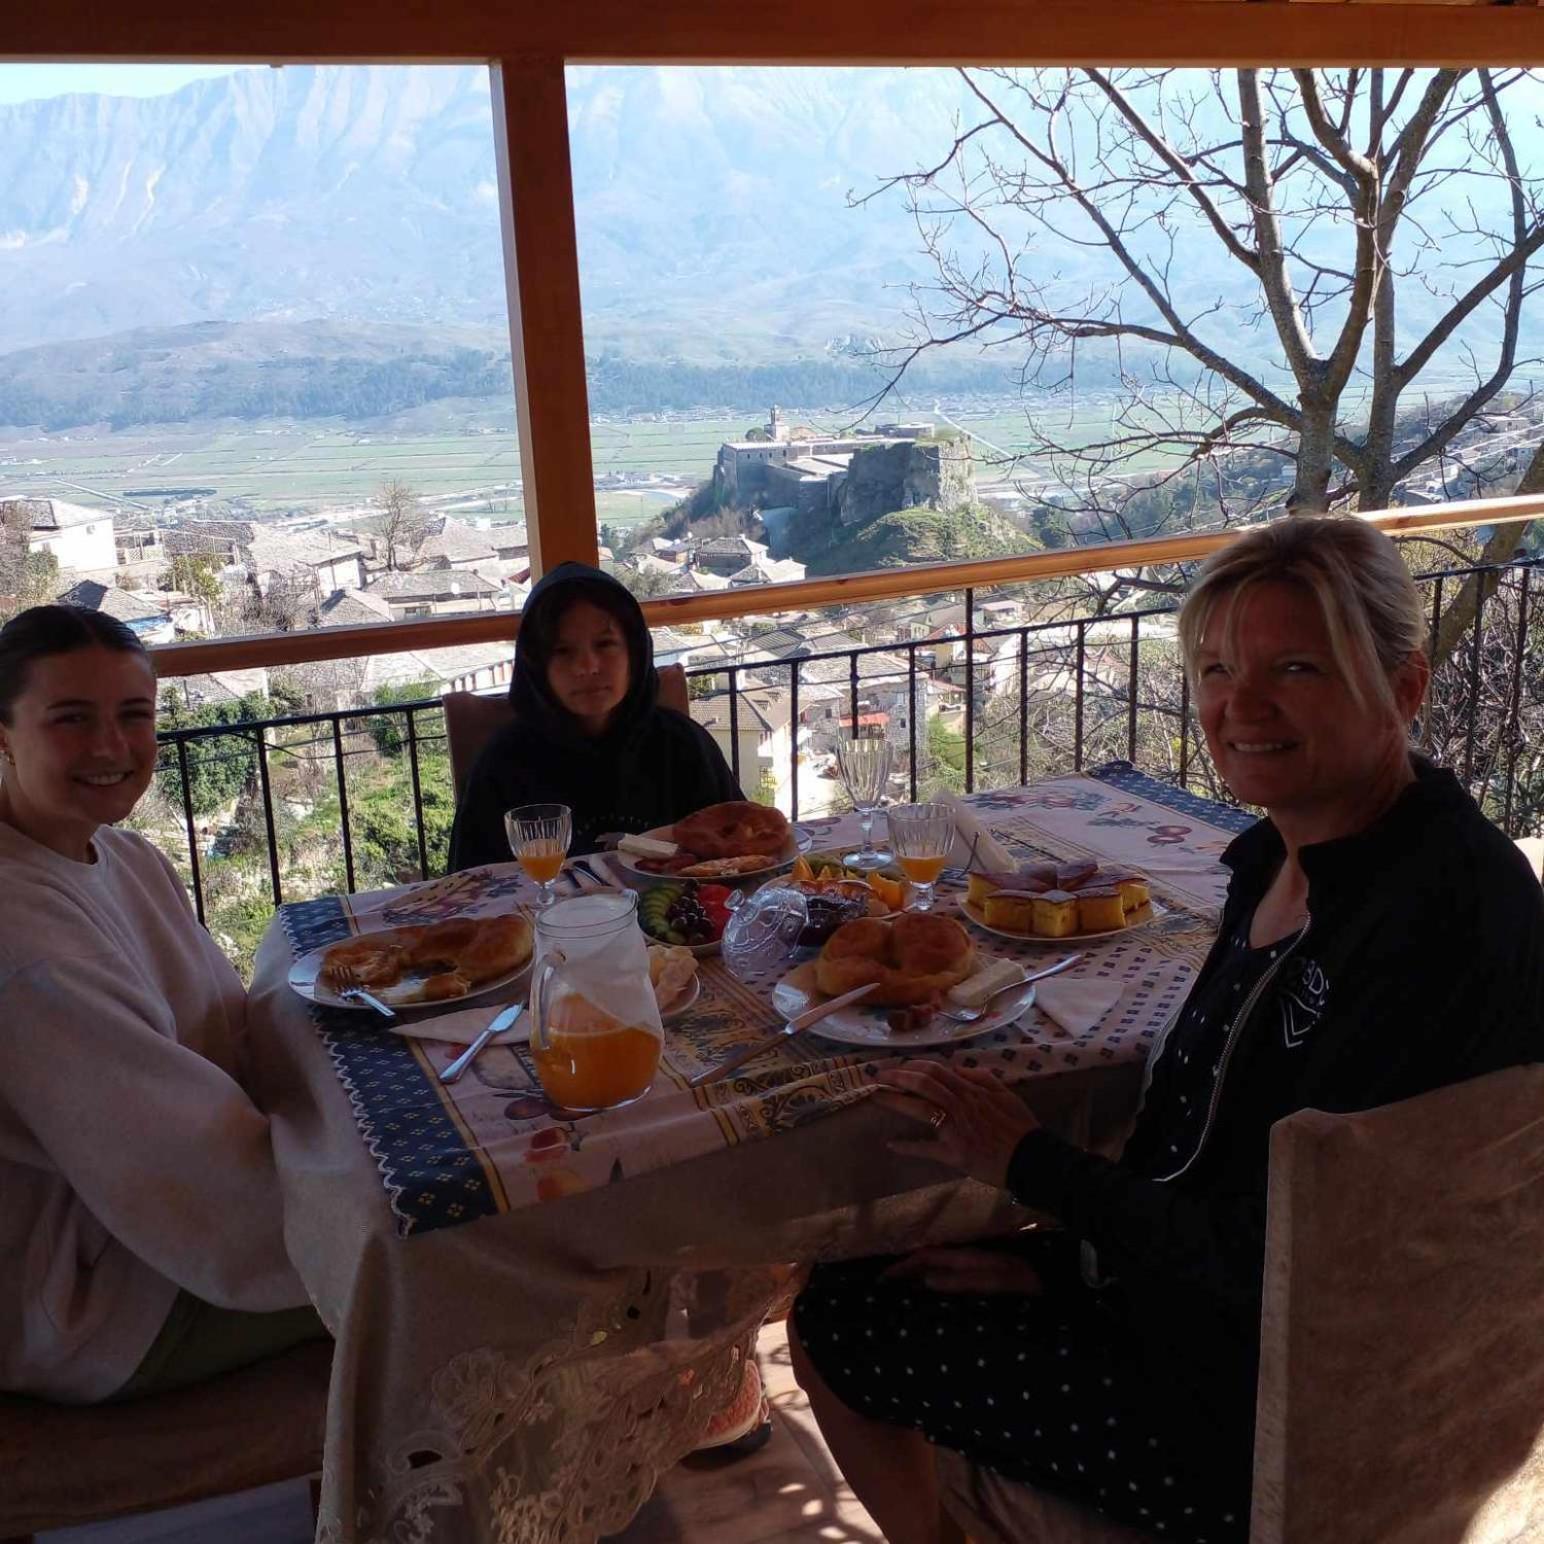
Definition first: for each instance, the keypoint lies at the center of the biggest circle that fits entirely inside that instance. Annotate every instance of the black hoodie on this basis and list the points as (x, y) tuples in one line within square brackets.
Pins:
[(651, 766)]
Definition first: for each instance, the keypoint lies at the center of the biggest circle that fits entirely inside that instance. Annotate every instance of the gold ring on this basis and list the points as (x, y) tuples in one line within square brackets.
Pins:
[(937, 1118)]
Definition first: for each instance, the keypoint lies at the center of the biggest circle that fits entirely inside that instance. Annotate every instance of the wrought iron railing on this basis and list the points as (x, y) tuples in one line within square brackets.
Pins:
[(272, 808)]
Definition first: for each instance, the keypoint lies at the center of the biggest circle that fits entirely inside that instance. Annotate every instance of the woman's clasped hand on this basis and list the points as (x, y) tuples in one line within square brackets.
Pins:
[(975, 1121)]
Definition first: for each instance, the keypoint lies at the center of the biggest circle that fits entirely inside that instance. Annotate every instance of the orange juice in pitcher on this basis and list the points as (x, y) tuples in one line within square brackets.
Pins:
[(591, 1061), (595, 1027)]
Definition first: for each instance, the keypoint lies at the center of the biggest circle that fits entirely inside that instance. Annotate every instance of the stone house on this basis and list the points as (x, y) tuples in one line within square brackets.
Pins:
[(80, 540)]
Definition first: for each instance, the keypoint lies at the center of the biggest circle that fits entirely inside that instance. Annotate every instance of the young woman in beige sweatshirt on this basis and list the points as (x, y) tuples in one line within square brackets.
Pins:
[(141, 1238)]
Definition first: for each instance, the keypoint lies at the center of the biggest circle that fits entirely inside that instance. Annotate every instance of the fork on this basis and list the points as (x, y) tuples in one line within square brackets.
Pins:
[(969, 1016), (344, 980)]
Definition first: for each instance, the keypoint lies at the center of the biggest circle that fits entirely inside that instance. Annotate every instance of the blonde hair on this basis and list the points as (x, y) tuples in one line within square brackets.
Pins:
[(1371, 608)]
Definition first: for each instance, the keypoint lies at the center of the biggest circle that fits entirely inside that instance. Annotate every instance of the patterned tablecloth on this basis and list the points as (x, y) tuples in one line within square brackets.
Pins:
[(525, 1378)]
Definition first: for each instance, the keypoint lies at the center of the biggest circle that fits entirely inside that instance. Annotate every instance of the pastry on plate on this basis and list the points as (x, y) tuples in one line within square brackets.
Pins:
[(732, 830), (1100, 910), (1011, 910), (1055, 914), (914, 959)]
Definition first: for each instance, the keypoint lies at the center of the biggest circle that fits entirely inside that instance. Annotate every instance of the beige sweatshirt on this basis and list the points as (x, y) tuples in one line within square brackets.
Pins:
[(131, 1161)]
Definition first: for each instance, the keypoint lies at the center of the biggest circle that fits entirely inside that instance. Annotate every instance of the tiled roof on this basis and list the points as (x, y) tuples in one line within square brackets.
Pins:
[(431, 584), (454, 541), (352, 607), (125, 605), (56, 514)]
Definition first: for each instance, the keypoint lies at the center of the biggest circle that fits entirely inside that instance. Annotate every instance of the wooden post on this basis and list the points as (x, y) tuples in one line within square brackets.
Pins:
[(541, 270)]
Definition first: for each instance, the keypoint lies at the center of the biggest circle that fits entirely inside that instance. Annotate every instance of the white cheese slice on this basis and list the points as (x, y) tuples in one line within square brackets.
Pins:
[(974, 990), (647, 847)]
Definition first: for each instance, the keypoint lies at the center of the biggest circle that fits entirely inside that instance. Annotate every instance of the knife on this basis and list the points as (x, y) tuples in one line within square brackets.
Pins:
[(475, 1049), (792, 1027)]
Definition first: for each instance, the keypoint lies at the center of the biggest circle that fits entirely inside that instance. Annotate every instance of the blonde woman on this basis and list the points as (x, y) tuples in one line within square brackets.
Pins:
[(1380, 939)]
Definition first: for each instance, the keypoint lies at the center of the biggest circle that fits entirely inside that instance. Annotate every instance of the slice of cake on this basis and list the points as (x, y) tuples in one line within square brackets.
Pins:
[(1011, 910), (981, 887), (1070, 875), (1134, 893), (1055, 914), (1100, 910)]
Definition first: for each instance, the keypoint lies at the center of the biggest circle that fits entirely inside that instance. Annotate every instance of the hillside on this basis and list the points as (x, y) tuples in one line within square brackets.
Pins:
[(905, 537), (363, 371)]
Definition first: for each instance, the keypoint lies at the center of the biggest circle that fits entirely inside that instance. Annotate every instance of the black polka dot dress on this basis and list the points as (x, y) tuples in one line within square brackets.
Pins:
[(1056, 1389)]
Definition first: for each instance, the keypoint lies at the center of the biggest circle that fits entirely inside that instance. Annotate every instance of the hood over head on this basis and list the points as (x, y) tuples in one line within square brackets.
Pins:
[(533, 700)]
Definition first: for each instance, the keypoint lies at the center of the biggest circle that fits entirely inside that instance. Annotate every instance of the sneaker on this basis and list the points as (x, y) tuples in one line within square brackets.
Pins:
[(744, 1424)]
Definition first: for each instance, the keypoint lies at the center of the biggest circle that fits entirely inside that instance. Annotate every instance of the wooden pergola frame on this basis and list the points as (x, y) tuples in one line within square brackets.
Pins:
[(527, 45)]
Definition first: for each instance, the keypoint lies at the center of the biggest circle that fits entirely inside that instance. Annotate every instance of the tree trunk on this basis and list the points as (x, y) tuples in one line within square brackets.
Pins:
[(1315, 457), (1504, 541)]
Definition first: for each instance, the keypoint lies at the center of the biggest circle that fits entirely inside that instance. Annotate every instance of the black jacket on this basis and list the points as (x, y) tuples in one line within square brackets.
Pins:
[(651, 766), (1422, 966)]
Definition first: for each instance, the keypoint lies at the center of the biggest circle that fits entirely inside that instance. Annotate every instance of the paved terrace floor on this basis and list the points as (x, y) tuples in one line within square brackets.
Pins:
[(790, 1490)]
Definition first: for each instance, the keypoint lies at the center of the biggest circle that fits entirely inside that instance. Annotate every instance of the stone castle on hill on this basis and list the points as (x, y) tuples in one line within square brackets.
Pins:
[(785, 470)]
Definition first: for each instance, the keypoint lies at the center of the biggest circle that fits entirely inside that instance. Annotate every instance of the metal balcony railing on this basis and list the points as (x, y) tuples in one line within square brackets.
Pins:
[(254, 802)]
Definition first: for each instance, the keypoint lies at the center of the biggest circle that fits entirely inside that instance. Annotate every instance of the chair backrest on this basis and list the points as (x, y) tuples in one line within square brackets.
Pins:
[(1402, 1367), (1532, 848), (471, 720)]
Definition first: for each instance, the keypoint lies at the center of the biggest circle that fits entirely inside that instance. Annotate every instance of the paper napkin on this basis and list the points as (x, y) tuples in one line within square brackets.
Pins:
[(990, 853), (463, 1027), (1077, 1003)]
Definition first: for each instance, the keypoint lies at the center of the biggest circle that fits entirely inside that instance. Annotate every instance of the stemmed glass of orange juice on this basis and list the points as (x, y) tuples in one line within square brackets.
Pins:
[(539, 835), (922, 835)]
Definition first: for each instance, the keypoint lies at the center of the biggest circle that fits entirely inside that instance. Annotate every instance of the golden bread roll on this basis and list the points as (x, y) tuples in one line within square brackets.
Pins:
[(913, 959)]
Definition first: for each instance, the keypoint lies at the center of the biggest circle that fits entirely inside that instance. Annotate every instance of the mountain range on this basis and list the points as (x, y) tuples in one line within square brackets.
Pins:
[(297, 209), (712, 205)]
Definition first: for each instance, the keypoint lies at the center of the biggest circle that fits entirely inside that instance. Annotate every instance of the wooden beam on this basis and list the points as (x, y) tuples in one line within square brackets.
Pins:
[(541, 275), (913, 32), (278, 649)]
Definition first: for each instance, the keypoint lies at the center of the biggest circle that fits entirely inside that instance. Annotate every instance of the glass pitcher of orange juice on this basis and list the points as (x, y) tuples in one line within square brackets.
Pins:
[(595, 1028)]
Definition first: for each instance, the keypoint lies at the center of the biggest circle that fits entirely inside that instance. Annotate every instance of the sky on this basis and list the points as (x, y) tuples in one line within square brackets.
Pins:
[(26, 82)]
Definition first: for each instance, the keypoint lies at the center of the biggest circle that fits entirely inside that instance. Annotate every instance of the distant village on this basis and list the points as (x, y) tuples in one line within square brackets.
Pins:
[(307, 571)]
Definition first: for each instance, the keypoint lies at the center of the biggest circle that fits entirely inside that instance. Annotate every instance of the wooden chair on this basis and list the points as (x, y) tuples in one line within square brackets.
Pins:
[(470, 720), (64, 1465), (1402, 1368)]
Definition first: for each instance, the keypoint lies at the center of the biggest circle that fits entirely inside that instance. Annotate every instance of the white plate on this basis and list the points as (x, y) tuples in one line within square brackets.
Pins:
[(860, 1025), (304, 978), (798, 840), (687, 1000), (1150, 913)]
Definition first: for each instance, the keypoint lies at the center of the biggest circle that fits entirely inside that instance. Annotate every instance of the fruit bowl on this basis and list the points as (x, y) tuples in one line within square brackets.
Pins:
[(687, 912)]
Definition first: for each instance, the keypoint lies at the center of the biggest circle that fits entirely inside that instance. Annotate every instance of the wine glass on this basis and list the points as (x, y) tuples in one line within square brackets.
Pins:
[(864, 767), (922, 835), (539, 835)]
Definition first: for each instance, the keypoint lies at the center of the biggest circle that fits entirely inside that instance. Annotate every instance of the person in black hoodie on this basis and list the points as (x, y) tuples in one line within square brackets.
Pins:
[(1380, 939), (588, 729)]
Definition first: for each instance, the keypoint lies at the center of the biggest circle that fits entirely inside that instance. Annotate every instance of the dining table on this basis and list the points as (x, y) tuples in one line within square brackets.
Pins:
[(536, 1314)]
